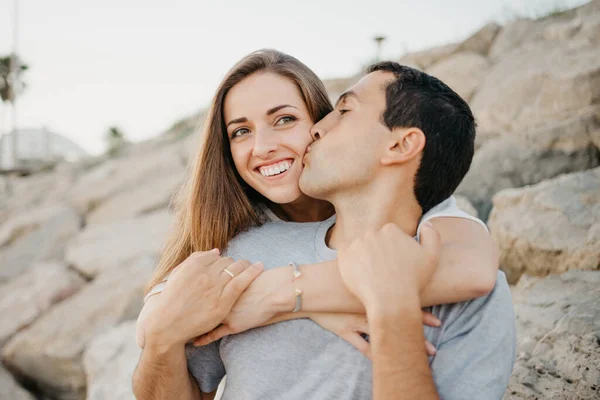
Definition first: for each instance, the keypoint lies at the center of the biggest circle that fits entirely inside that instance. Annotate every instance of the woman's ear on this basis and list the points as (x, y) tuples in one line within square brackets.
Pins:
[(406, 144)]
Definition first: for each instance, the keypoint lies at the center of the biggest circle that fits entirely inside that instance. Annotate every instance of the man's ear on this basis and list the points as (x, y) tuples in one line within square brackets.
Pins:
[(406, 144)]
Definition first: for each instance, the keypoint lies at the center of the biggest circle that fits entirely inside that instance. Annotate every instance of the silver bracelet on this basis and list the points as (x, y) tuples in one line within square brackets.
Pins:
[(298, 292)]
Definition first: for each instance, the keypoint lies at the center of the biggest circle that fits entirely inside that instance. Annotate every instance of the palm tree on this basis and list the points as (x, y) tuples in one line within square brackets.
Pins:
[(9, 88)]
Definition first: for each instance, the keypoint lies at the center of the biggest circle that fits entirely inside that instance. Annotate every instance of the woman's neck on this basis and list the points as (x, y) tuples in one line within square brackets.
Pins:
[(304, 209)]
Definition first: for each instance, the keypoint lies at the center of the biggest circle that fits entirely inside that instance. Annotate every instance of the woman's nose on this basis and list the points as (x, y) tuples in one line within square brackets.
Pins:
[(264, 144)]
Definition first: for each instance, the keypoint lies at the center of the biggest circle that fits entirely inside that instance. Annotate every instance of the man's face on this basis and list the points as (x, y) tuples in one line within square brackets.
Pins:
[(349, 141)]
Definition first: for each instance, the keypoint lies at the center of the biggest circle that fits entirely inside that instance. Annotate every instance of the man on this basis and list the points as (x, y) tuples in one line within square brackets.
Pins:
[(397, 144)]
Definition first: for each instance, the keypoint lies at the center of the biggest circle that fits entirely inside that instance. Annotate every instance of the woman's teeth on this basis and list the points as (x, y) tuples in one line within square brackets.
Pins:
[(275, 169)]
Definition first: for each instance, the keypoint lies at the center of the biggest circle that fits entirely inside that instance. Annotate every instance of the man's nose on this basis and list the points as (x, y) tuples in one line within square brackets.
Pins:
[(263, 145), (317, 131)]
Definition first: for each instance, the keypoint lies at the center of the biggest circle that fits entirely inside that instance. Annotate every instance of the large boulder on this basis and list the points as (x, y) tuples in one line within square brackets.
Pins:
[(539, 80), (10, 389), (28, 296), (531, 157), (463, 72), (481, 41), (425, 58), (48, 354), (119, 175), (558, 326), (549, 228), (41, 238), (512, 36), (148, 197), (108, 246), (109, 362)]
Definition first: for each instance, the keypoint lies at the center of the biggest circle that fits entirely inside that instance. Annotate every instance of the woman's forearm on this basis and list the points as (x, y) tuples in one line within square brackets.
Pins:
[(457, 278)]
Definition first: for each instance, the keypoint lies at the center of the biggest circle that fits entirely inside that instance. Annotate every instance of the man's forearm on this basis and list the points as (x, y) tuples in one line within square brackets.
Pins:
[(162, 374), (400, 365)]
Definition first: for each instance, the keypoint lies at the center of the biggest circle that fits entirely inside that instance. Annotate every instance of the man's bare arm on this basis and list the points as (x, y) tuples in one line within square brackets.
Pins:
[(400, 364), (162, 374)]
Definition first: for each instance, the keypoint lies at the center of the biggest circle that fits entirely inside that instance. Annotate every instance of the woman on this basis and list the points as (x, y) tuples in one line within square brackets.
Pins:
[(248, 171)]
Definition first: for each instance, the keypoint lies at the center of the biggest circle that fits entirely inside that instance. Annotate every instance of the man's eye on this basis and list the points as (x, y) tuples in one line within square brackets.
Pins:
[(285, 120), (239, 132)]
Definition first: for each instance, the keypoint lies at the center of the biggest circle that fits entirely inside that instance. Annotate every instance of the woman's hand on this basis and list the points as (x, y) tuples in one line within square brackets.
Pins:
[(197, 297), (257, 305), (352, 327)]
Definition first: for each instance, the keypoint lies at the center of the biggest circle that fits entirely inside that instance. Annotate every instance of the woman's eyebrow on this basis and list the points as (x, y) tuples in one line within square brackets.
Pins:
[(237, 121), (275, 109)]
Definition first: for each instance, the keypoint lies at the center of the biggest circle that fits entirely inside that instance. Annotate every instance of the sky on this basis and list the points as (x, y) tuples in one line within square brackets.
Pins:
[(143, 64)]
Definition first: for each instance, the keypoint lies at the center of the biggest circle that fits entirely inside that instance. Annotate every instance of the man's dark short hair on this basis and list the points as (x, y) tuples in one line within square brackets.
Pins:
[(416, 99)]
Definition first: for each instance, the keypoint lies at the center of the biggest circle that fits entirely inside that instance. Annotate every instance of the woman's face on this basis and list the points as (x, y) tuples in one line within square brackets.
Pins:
[(268, 126)]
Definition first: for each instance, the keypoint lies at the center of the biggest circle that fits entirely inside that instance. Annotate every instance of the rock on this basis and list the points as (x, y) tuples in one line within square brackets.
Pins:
[(424, 59), (48, 354), (20, 223), (151, 196), (481, 41), (558, 326), (463, 72), (562, 30), (28, 296), (512, 36), (549, 228), (533, 156), (9, 389), (39, 240), (335, 87), (108, 246), (39, 190), (537, 81), (464, 204), (118, 175), (109, 362)]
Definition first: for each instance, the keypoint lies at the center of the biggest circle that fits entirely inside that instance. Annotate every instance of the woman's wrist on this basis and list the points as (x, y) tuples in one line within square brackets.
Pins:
[(283, 298)]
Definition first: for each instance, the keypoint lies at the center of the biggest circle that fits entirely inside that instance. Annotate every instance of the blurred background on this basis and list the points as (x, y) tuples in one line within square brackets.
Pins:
[(100, 103)]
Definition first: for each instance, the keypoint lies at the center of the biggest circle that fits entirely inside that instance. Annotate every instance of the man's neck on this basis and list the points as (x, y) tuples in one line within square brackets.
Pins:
[(370, 210)]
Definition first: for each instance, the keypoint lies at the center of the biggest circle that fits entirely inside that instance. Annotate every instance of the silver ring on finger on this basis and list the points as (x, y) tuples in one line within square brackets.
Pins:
[(228, 272)]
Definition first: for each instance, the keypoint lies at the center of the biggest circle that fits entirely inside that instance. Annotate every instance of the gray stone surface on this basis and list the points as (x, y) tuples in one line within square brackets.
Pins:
[(108, 246), (549, 228), (558, 329), (49, 352), (109, 362), (28, 296), (38, 242), (10, 389)]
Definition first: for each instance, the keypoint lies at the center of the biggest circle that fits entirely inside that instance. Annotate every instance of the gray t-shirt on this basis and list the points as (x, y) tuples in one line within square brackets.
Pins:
[(300, 360)]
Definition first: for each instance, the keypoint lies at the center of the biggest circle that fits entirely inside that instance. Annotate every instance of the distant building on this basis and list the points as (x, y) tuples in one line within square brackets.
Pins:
[(38, 147)]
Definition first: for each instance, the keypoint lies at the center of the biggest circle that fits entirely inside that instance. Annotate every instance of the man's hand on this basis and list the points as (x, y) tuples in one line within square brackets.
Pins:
[(383, 266), (197, 297)]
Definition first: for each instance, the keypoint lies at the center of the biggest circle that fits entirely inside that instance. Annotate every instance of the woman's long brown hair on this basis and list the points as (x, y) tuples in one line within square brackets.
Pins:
[(214, 204)]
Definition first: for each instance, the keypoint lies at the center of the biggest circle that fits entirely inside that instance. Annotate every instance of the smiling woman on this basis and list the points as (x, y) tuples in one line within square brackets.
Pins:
[(261, 115)]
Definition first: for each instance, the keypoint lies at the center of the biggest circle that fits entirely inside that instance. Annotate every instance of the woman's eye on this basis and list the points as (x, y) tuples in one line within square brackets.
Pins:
[(239, 132), (285, 120), (343, 111)]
